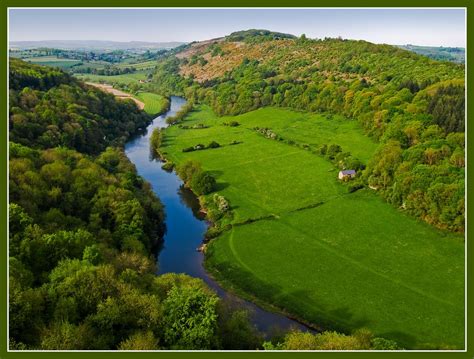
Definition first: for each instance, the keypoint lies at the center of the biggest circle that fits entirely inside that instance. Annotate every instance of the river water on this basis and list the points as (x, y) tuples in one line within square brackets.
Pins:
[(185, 225)]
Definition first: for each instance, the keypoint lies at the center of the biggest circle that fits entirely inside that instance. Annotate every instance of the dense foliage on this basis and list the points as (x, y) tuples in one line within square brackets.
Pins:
[(255, 35), (82, 232), (410, 104), (360, 340), (201, 182), (48, 108)]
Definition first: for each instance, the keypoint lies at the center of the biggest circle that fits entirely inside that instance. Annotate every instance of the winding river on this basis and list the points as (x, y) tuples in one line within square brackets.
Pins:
[(185, 225)]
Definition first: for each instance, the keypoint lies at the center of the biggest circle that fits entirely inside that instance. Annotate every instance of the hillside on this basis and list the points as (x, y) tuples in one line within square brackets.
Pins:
[(412, 105), (454, 54), (83, 234), (271, 123)]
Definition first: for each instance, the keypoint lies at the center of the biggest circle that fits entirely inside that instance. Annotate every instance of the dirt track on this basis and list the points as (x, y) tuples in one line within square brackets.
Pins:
[(117, 93)]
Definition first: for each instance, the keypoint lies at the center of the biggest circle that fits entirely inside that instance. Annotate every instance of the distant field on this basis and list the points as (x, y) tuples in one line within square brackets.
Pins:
[(53, 61), (125, 79), (336, 259), (153, 103), (139, 66)]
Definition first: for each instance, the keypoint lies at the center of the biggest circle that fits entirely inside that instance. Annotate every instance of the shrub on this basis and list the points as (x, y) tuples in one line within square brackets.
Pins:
[(232, 124), (384, 344), (213, 144), (202, 183), (187, 170), (213, 232), (168, 166), (323, 149), (221, 203), (155, 139)]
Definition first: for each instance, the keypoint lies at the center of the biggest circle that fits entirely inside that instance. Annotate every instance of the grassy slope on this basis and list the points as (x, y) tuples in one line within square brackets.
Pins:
[(313, 130), (353, 261), (154, 103)]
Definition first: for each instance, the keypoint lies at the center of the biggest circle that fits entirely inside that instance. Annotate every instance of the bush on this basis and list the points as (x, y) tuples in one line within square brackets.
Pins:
[(213, 232), (180, 114), (155, 139), (202, 183), (323, 149), (187, 170), (213, 144), (168, 166), (199, 181), (221, 202), (384, 344), (232, 124)]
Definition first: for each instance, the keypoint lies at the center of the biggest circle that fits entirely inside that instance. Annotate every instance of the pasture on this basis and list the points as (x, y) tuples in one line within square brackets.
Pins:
[(352, 262), (145, 65), (336, 259), (125, 79), (154, 103), (53, 61)]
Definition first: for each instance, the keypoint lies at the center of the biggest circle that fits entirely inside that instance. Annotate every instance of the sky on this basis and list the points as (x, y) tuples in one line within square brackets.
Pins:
[(430, 27)]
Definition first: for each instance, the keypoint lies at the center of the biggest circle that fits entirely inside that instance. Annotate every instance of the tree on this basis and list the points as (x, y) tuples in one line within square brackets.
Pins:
[(203, 183), (190, 319), (140, 341)]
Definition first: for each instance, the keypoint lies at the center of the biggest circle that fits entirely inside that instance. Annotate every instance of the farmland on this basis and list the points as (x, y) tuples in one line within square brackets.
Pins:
[(336, 259), (53, 61), (125, 79), (153, 103)]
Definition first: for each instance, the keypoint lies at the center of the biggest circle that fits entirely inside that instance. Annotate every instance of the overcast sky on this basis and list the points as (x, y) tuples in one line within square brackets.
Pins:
[(436, 27)]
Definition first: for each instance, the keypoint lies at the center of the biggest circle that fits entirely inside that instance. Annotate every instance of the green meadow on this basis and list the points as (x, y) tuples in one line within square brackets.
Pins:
[(154, 103), (53, 61), (335, 259), (125, 79), (145, 65)]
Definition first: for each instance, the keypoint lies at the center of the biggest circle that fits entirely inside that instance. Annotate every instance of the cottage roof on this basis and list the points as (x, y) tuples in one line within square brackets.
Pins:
[(348, 172)]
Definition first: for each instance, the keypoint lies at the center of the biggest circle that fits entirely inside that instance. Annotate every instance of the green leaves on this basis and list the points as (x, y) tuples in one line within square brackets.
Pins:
[(190, 320)]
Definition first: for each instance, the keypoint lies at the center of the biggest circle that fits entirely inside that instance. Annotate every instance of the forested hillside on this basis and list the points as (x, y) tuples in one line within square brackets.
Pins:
[(413, 106), (49, 108), (82, 229)]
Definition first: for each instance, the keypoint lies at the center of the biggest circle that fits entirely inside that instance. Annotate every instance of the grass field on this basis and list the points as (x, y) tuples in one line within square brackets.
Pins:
[(154, 103), (145, 65), (338, 260), (125, 79), (53, 61)]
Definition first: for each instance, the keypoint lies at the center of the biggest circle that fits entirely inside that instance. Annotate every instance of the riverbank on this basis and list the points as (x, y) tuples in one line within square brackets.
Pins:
[(338, 264), (186, 225)]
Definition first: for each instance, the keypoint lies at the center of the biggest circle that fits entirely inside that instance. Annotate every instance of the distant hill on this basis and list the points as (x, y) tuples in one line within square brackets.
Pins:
[(93, 44), (453, 54), (259, 34)]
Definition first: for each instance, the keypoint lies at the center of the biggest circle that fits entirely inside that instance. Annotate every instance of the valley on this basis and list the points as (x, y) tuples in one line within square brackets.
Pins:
[(297, 240), (255, 190)]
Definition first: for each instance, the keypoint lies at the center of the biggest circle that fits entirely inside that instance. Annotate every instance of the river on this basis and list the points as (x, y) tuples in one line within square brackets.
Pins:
[(185, 225)]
